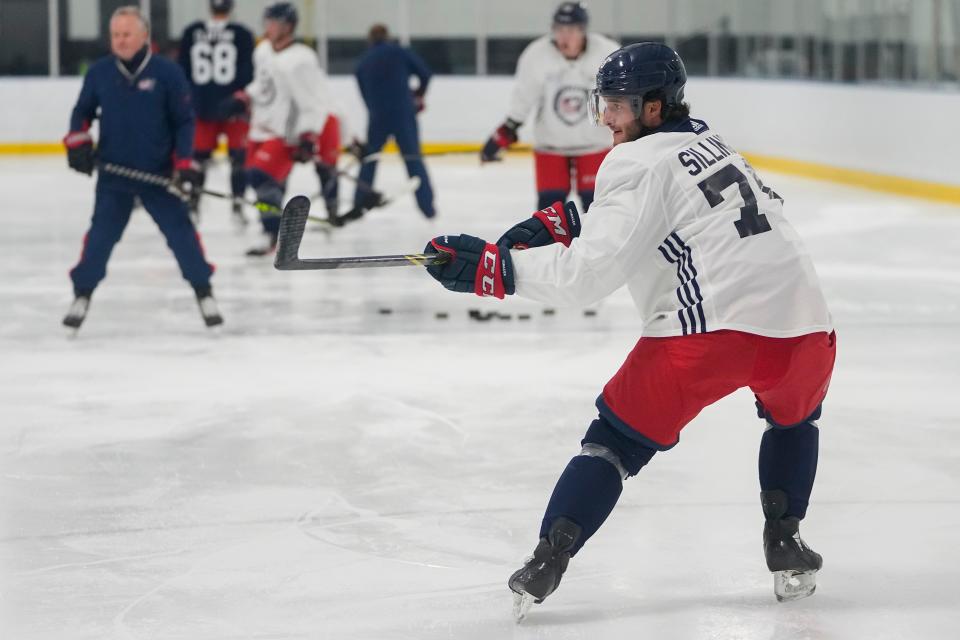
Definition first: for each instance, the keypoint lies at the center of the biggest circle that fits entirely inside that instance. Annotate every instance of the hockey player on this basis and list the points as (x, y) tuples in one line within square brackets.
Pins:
[(383, 74), (217, 56), (287, 99), (554, 79), (728, 298), (146, 123)]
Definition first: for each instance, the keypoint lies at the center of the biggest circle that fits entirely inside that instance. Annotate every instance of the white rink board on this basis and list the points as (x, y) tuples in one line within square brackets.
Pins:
[(836, 125), (321, 470)]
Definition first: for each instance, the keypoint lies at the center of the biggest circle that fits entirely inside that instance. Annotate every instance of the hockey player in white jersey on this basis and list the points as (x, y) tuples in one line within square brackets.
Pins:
[(728, 298), (289, 107), (554, 77)]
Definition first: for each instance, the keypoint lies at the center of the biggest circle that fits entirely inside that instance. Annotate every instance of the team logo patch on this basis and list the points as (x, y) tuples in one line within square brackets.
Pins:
[(570, 104), (147, 84)]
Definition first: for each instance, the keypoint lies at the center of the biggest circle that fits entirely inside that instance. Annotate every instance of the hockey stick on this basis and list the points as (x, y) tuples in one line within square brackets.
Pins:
[(379, 155), (163, 181), (292, 225)]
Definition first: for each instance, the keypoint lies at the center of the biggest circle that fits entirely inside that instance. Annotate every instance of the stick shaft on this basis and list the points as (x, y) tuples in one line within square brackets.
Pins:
[(292, 225)]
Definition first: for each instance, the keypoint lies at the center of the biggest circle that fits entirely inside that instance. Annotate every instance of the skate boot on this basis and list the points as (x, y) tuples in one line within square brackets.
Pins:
[(541, 573), (239, 220), (793, 563), (266, 247), (208, 307), (77, 312)]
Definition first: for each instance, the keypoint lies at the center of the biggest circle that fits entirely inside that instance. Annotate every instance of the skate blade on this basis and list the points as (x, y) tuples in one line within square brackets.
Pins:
[(521, 605), (794, 585)]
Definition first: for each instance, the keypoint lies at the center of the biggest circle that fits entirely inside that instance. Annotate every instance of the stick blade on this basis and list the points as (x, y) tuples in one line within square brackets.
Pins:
[(293, 221)]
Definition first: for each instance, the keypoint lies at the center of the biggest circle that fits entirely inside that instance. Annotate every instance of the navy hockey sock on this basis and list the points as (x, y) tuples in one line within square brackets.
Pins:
[(547, 198), (586, 198), (238, 175), (590, 486), (788, 462), (586, 493)]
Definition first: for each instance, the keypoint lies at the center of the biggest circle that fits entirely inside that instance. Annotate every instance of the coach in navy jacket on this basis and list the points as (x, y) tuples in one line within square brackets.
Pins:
[(383, 74), (146, 123)]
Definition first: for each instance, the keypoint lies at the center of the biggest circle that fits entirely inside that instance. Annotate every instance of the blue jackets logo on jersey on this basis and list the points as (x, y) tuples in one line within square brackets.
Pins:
[(147, 84), (570, 105)]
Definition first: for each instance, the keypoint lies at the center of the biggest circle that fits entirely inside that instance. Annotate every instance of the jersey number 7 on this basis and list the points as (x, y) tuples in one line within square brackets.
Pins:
[(751, 221)]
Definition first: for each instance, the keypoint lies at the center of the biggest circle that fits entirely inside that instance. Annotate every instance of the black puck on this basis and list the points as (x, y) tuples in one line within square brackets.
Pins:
[(441, 315), (549, 312), (523, 316), (384, 311), (589, 312)]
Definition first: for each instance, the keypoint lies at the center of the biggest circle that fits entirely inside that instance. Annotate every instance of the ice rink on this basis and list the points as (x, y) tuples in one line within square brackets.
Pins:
[(322, 469)]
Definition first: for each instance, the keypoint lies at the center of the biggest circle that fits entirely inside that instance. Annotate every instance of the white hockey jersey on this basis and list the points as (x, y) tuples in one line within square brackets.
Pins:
[(702, 244), (288, 94), (559, 89)]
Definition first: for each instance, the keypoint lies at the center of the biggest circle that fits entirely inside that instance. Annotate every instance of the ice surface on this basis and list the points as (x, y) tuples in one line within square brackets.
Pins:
[(323, 470)]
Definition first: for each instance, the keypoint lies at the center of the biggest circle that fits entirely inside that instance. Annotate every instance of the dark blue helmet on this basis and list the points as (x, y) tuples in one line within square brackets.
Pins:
[(642, 68), (221, 6), (571, 13), (282, 12)]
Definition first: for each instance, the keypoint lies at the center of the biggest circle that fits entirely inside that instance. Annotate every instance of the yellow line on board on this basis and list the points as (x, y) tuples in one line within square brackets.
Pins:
[(875, 181), (865, 179)]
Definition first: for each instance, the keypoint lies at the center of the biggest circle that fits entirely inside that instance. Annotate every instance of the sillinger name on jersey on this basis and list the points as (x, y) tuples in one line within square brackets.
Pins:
[(704, 154)]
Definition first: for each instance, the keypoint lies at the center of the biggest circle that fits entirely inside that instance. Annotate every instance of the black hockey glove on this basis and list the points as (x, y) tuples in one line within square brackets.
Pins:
[(475, 266), (80, 155), (188, 180), (557, 223), (307, 149), (503, 137), (236, 105)]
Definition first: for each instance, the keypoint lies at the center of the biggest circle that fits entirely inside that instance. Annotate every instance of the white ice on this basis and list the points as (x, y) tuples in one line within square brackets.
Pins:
[(323, 470)]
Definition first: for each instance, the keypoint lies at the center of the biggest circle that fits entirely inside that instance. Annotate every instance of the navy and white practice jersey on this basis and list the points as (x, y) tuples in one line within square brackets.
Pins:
[(217, 57), (557, 89), (288, 95), (702, 244)]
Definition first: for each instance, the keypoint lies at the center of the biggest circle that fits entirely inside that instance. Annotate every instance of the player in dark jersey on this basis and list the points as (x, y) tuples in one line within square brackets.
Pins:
[(217, 56)]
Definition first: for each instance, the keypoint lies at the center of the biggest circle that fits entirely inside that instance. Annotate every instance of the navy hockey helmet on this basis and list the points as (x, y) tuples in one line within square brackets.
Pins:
[(574, 13), (221, 6), (282, 12), (637, 71)]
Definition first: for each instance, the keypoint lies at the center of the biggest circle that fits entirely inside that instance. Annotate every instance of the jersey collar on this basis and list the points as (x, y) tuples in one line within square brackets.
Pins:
[(131, 74)]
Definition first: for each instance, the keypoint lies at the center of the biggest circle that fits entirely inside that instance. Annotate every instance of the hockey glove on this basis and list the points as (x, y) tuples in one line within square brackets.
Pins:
[(418, 102), (80, 156), (236, 105), (188, 180), (503, 137), (557, 223), (475, 266), (306, 149)]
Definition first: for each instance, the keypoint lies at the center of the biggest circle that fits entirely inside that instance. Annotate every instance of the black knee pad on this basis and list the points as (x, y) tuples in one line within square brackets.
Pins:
[(547, 198), (763, 414), (632, 453)]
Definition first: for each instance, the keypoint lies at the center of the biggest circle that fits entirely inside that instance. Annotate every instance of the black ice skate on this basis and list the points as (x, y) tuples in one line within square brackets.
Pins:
[(793, 563), (208, 307), (541, 573), (77, 312), (266, 247)]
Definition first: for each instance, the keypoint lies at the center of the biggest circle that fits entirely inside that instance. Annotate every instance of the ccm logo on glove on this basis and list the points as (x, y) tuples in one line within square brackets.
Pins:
[(474, 266)]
